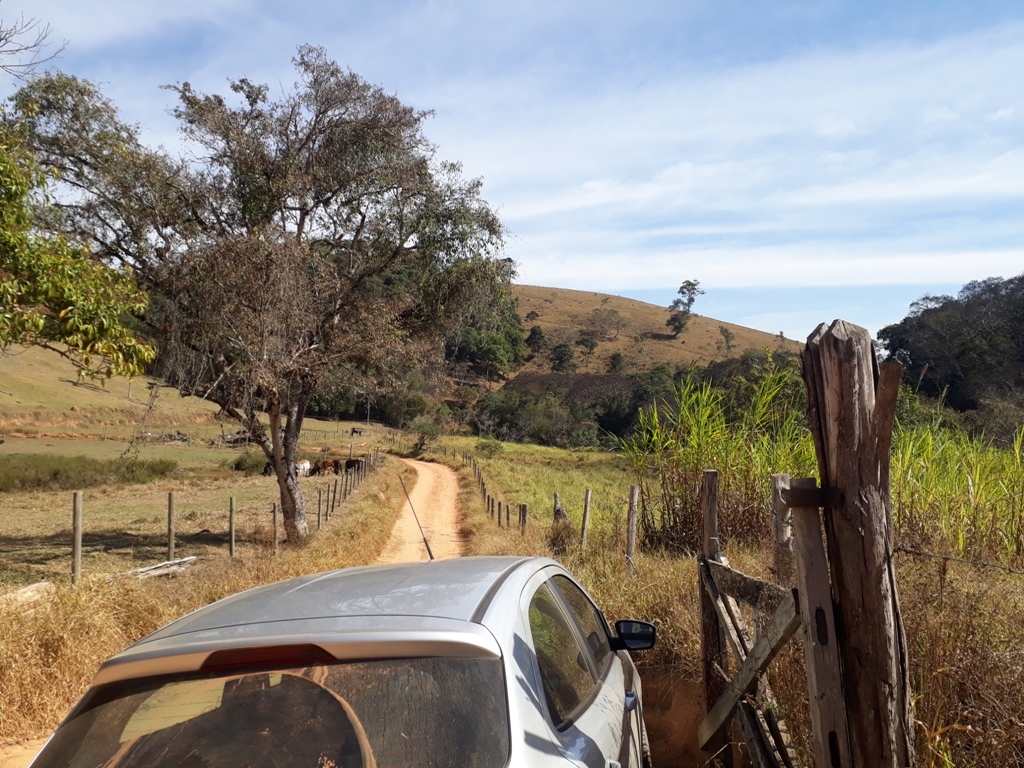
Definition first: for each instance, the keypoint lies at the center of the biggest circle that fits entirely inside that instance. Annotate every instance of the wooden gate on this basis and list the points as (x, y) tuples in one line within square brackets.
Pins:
[(845, 601)]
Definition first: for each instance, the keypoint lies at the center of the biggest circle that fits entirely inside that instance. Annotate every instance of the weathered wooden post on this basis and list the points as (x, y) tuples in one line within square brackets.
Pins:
[(782, 517), (334, 500), (634, 496), (851, 405), (273, 512), (319, 502), (524, 513), (76, 541), (170, 525), (821, 652), (714, 656), (231, 527), (586, 519)]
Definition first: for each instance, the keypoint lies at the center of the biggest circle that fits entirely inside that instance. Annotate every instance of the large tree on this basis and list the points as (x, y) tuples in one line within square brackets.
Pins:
[(299, 241)]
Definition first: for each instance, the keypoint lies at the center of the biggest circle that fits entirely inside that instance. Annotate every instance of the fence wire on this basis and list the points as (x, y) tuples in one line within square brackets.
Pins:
[(952, 559)]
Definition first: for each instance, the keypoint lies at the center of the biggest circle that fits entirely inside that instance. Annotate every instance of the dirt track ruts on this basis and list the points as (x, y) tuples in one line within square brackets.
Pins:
[(434, 498)]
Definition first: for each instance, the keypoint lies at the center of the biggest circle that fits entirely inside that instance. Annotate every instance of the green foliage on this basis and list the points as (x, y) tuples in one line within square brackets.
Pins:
[(489, 447), (607, 321), (677, 439), (536, 341), (588, 343), (249, 462), (50, 472), (966, 349), (427, 432), (616, 363), (54, 295), (563, 359)]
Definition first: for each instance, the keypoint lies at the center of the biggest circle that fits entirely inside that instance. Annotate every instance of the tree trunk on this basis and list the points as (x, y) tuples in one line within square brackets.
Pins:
[(851, 405), (284, 440)]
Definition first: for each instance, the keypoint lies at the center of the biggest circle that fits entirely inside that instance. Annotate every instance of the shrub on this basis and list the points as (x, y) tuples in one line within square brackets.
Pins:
[(50, 472), (250, 462)]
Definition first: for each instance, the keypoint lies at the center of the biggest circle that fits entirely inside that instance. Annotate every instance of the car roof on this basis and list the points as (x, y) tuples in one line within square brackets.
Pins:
[(427, 608), (451, 589)]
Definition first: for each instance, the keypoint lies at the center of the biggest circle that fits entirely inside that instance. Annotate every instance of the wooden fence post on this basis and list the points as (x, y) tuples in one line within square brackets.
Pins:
[(586, 519), (334, 500), (524, 513), (851, 405), (714, 656), (821, 653), (76, 542), (231, 527), (273, 512), (319, 502), (634, 495), (782, 516), (170, 525)]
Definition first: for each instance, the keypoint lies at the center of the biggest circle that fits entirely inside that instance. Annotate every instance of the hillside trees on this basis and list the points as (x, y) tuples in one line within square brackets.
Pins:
[(968, 348), (307, 240)]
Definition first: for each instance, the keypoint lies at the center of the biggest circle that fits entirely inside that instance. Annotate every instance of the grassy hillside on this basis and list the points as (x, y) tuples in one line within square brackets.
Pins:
[(645, 341), (39, 390)]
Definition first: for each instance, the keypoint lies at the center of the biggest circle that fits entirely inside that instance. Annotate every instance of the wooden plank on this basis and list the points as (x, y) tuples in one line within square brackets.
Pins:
[(634, 495), (779, 630), (851, 407), (714, 653), (782, 565), (774, 728), (821, 652), (747, 589), (76, 540), (586, 519), (762, 752)]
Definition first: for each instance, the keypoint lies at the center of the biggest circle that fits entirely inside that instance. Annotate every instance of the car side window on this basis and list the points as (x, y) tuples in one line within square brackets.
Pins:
[(564, 671), (592, 623)]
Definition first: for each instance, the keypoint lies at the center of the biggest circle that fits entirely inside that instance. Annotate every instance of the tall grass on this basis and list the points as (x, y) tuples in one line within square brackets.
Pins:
[(50, 472), (675, 441), (951, 492)]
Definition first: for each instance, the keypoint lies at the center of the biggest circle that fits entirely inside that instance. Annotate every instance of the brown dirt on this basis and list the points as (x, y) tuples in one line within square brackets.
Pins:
[(21, 754), (434, 498)]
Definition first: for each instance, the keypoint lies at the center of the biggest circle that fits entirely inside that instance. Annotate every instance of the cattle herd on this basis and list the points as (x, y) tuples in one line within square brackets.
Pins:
[(320, 467)]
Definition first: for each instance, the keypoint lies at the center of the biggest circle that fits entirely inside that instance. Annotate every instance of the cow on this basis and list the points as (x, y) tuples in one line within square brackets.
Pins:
[(318, 469), (302, 468), (357, 431), (353, 464), (268, 469)]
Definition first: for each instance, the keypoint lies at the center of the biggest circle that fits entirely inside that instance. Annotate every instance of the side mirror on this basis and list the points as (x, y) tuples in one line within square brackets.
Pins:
[(633, 635)]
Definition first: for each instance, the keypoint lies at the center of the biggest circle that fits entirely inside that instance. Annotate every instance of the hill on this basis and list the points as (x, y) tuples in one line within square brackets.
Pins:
[(644, 341), (39, 389)]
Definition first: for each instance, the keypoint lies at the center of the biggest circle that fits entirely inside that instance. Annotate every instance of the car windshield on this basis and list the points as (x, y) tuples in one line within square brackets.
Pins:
[(409, 713)]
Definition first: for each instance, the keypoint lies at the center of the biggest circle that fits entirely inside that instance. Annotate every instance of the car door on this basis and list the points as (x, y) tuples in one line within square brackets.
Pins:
[(584, 699), (618, 675)]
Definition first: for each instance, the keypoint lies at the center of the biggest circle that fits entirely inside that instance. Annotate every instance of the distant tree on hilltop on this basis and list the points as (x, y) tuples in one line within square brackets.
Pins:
[(682, 307)]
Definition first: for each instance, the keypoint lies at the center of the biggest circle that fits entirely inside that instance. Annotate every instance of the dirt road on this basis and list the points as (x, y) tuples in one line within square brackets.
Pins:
[(435, 501)]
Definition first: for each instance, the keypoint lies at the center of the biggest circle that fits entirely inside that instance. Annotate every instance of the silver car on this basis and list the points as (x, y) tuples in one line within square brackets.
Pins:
[(477, 662)]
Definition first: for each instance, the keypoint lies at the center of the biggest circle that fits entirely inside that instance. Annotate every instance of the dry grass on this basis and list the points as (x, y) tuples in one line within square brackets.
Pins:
[(645, 342), (48, 655)]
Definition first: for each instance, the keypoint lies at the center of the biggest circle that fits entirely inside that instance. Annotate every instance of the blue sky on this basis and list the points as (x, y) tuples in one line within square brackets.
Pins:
[(804, 161)]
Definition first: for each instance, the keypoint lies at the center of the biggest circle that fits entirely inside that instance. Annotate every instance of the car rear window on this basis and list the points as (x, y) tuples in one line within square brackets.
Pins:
[(408, 713)]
